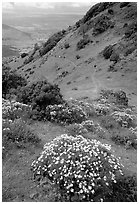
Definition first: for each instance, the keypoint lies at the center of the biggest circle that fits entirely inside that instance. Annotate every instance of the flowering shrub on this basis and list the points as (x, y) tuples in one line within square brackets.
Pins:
[(76, 129), (123, 118), (101, 109), (93, 127), (83, 169), (65, 114), (13, 110)]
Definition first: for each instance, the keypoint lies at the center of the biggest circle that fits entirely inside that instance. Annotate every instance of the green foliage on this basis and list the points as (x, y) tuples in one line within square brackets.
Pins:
[(65, 113), (11, 80), (51, 42), (40, 94), (102, 23)]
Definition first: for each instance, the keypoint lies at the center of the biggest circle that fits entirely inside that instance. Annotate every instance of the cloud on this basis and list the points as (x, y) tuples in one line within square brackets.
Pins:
[(75, 5)]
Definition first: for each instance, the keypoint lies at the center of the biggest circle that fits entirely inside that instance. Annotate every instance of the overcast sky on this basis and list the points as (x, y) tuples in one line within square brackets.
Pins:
[(25, 8)]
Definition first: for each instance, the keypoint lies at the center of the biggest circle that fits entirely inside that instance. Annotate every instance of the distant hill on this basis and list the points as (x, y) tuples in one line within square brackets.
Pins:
[(11, 33), (12, 37), (99, 51)]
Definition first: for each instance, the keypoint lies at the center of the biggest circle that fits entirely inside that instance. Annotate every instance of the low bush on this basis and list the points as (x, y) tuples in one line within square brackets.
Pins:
[(66, 45), (82, 169), (96, 9), (108, 122), (24, 55), (125, 190), (114, 57), (39, 95), (124, 4), (117, 97), (78, 57), (128, 139), (107, 52), (51, 42), (102, 23), (131, 30), (65, 114), (82, 43), (11, 80), (29, 59)]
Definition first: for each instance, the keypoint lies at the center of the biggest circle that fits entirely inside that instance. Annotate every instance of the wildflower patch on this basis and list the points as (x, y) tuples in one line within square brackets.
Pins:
[(83, 169)]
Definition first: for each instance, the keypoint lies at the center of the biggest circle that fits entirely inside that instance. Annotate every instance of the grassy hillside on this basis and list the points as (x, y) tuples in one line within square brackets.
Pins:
[(89, 125)]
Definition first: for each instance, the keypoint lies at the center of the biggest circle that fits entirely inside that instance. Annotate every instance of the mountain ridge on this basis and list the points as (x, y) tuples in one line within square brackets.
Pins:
[(73, 67)]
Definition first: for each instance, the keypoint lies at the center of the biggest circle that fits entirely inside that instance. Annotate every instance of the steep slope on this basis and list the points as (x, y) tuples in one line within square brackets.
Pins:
[(84, 66)]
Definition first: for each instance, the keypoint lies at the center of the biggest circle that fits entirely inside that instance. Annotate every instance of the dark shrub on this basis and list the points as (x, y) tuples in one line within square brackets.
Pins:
[(114, 57), (131, 29), (110, 11), (11, 80), (78, 57), (66, 45), (117, 97), (51, 42), (82, 43), (107, 52), (40, 94), (96, 9), (125, 190), (24, 55), (29, 59), (124, 4)]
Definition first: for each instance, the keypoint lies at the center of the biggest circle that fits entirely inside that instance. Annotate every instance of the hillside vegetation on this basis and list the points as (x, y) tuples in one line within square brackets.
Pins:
[(69, 112)]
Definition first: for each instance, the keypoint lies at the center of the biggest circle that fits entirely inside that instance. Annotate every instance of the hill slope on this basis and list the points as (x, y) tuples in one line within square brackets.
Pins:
[(12, 37), (82, 69)]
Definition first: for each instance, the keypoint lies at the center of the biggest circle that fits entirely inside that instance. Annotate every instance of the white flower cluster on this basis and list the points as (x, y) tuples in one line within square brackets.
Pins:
[(123, 118), (13, 109), (79, 166), (65, 113)]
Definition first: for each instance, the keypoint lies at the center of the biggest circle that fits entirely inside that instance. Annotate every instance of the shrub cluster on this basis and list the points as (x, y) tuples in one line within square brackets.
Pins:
[(107, 52), (66, 45), (11, 81), (83, 169), (14, 110), (117, 97), (39, 95), (131, 30), (82, 43), (96, 9), (123, 118), (51, 42), (102, 23), (124, 4), (24, 55), (65, 114)]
